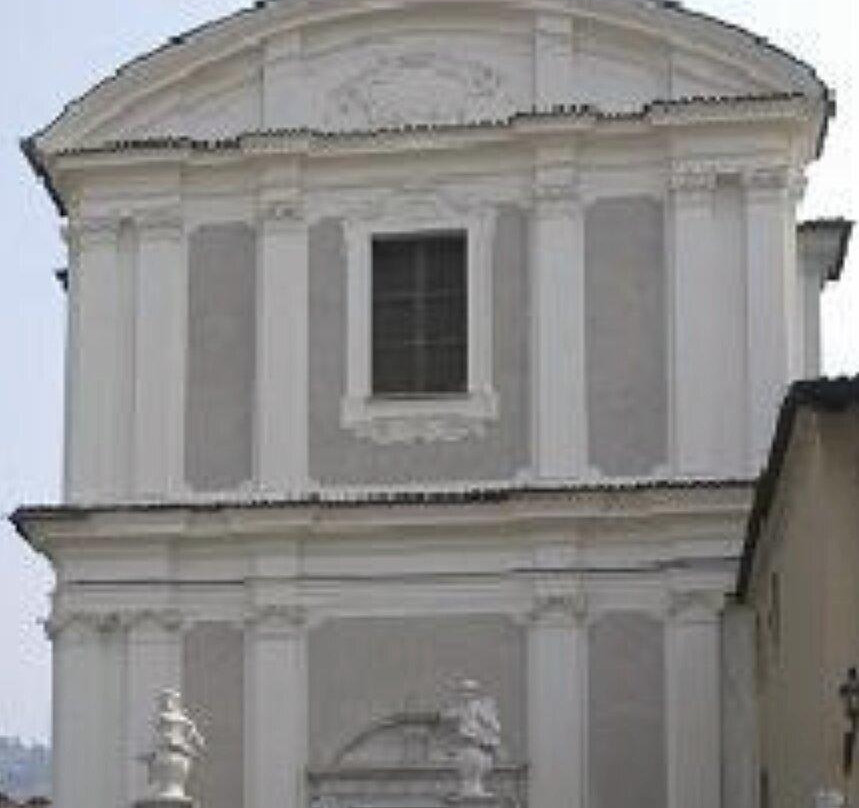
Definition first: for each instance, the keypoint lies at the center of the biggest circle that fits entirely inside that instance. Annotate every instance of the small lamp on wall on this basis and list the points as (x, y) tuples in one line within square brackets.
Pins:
[(849, 693)]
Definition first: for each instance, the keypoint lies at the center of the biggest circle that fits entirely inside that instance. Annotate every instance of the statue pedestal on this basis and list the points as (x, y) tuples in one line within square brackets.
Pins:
[(165, 802)]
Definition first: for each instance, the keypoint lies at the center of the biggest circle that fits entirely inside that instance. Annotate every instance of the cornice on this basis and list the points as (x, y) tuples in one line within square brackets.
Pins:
[(519, 128), (650, 513)]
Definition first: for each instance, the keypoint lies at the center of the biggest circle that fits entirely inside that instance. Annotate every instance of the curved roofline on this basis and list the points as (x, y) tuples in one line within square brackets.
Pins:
[(295, 13), (260, 6)]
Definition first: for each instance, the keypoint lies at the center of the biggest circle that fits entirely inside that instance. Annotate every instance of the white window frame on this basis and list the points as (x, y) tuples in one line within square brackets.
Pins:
[(424, 419)]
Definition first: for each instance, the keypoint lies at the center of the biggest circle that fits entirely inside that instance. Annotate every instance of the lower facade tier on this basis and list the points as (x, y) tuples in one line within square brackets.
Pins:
[(317, 644)]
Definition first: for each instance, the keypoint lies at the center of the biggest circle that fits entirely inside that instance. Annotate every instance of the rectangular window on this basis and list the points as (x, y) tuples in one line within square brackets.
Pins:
[(420, 314)]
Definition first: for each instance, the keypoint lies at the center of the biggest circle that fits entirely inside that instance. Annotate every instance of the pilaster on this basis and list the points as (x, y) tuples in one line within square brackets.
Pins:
[(159, 357), (553, 59), (87, 718), (282, 400), (276, 693), (693, 661), (700, 439), (771, 254), (97, 361), (557, 257), (557, 688)]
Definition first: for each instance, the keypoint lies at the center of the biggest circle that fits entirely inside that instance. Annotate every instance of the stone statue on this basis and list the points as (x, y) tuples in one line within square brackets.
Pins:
[(477, 733), (177, 743)]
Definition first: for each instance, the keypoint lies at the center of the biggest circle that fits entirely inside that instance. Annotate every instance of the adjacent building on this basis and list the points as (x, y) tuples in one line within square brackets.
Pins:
[(800, 578), (418, 340)]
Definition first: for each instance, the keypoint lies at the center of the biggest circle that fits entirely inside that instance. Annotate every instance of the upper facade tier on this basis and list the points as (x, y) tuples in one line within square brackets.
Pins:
[(352, 244)]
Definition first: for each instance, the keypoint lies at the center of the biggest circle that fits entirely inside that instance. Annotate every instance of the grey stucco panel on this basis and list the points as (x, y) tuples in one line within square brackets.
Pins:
[(221, 371), (626, 721), (626, 335), (213, 691), (365, 669), (337, 456)]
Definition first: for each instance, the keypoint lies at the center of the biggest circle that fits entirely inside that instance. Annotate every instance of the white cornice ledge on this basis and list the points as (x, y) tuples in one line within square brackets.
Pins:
[(561, 120)]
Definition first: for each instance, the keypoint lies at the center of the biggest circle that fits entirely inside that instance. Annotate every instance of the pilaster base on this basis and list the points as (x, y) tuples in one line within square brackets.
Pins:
[(484, 801), (165, 802)]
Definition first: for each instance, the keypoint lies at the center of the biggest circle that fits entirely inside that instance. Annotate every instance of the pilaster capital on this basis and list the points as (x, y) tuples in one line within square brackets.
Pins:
[(276, 619), (767, 179), (281, 213), (563, 609), (81, 624), (161, 223), (692, 178), (161, 620), (695, 606), (90, 232), (108, 622)]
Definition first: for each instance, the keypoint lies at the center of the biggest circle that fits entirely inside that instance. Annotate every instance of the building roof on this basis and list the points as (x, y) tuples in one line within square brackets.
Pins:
[(465, 494), (819, 395)]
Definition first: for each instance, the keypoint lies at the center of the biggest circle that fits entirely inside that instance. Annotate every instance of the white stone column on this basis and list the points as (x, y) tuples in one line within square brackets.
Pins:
[(692, 664), (99, 355), (161, 339), (154, 662), (276, 696), (771, 258), (557, 702), (282, 384), (559, 432)]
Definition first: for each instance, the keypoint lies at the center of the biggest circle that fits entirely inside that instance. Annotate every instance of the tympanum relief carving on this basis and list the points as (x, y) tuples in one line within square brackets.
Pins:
[(423, 86)]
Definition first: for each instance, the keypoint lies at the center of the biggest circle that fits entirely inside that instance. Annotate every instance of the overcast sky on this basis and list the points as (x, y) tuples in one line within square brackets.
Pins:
[(53, 50)]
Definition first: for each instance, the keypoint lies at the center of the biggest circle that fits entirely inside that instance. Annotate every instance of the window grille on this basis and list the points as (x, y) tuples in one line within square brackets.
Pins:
[(420, 316)]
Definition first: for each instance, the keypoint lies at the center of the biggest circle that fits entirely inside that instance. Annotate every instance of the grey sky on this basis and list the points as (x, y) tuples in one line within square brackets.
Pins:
[(51, 51)]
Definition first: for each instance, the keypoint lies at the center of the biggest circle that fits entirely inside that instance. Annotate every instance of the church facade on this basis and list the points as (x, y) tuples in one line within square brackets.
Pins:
[(411, 341)]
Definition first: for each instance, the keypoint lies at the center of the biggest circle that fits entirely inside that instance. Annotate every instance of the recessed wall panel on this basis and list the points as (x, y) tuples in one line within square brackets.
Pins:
[(626, 336), (213, 692), (221, 357), (626, 722)]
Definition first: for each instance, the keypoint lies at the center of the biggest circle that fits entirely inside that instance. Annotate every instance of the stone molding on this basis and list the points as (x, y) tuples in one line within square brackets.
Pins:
[(415, 208)]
